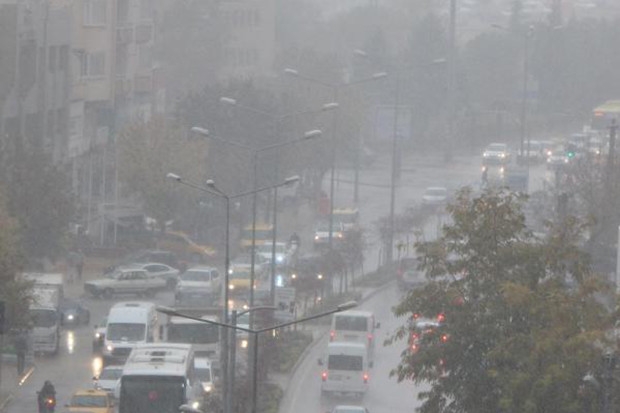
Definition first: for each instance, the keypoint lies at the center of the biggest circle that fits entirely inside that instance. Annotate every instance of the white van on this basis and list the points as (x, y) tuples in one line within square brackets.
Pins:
[(128, 324), (356, 327), (345, 369)]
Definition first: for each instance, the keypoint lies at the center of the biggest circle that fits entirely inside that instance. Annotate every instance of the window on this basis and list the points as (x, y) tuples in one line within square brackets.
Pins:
[(93, 65), (95, 12)]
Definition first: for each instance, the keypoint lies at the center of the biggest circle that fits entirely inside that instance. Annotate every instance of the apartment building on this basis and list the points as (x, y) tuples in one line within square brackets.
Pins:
[(114, 80), (35, 82)]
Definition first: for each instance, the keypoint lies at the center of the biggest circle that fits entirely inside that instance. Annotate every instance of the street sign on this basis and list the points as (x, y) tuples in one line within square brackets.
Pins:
[(285, 304)]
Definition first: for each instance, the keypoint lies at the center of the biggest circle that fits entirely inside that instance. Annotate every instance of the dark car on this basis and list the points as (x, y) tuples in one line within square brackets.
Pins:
[(74, 313), (154, 256)]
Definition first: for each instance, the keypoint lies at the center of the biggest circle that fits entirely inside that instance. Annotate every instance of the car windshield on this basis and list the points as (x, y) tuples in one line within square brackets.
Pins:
[(496, 147), (89, 401), (193, 275), (125, 331), (111, 374), (203, 374), (240, 275)]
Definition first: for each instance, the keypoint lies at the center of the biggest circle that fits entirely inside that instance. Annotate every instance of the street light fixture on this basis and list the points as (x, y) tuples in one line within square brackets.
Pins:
[(255, 332), (335, 88), (276, 119), (213, 190)]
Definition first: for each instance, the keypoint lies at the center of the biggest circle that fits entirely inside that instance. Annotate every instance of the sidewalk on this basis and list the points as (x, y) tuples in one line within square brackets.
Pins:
[(10, 381)]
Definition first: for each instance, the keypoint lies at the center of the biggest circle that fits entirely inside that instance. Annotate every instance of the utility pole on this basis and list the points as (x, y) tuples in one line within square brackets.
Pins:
[(451, 82), (609, 366)]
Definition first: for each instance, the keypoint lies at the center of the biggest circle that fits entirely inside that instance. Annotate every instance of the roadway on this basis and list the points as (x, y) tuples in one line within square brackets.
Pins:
[(74, 366)]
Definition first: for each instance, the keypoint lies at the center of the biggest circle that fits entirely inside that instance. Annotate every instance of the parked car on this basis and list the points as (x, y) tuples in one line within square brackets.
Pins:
[(130, 281), (435, 196), (156, 256), (162, 271), (74, 313)]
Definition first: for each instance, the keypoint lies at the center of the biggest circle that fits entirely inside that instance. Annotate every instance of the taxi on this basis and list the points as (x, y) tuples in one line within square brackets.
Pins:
[(91, 401)]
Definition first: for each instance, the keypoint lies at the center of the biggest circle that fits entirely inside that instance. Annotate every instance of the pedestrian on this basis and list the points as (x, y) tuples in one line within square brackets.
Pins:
[(21, 348), (79, 264)]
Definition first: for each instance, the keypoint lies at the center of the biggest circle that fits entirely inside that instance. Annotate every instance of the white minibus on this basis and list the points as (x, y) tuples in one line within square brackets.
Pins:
[(129, 324), (345, 369)]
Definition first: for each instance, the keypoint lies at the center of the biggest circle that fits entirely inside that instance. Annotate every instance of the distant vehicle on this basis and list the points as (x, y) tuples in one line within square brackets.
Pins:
[(435, 196), (91, 401), (345, 369), (204, 374), (349, 409), (603, 114), (265, 251), (129, 324), (44, 311), (156, 270), (99, 334), (421, 328), (159, 378), (184, 247), (355, 326), (349, 217), (496, 154), (204, 337), (239, 277), (198, 286), (156, 256), (534, 151), (74, 313), (245, 259), (557, 159), (321, 233), (263, 234), (130, 281), (108, 379)]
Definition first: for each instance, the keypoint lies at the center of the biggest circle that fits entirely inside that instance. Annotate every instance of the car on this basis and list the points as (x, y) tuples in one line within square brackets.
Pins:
[(184, 247), (423, 329), (156, 270), (349, 409), (265, 251), (91, 401), (74, 313), (108, 378), (245, 259), (239, 277), (557, 159), (204, 374), (262, 234), (99, 334), (159, 256), (435, 196), (496, 154), (534, 151), (321, 233), (197, 285), (125, 281), (349, 217)]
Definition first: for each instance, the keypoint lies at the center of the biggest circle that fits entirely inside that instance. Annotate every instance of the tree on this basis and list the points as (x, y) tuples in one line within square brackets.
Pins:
[(522, 326), (39, 196), (147, 153), (13, 291)]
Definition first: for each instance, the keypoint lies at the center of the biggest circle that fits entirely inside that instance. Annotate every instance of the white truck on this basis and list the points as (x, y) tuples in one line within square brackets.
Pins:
[(203, 336), (44, 310)]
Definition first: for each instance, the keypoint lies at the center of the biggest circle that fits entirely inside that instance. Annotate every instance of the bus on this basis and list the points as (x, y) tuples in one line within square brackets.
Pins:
[(159, 378), (204, 337), (602, 116)]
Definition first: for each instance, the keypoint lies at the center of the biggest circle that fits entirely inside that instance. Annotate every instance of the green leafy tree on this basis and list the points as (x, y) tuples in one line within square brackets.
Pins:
[(147, 153), (13, 291), (522, 326), (40, 197)]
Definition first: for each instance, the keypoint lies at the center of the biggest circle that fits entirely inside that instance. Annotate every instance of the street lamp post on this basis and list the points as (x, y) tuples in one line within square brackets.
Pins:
[(335, 88), (255, 333), (213, 190), (277, 121)]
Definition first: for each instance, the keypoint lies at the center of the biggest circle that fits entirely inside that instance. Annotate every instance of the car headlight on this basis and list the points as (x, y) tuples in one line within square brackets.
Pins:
[(97, 335), (502, 155), (109, 347), (70, 317), (244, 343), (195, 405), (231, 287), (485, 155), (279, 258), (207, 387), (316, 237)]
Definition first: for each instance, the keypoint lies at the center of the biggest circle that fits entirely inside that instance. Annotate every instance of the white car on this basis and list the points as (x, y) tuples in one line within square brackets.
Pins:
[(156, 270), (435, 196), (266, 252), (197, 284), (108, 378), (349, 409), (496, 154), (321, 233), (204, 373), (125, 281)]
